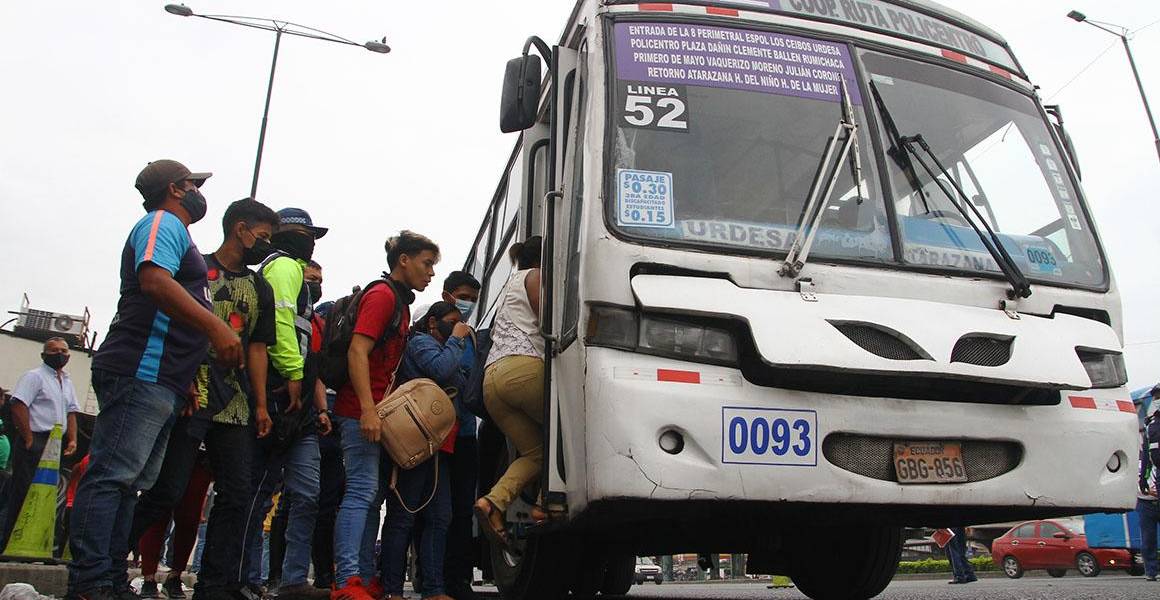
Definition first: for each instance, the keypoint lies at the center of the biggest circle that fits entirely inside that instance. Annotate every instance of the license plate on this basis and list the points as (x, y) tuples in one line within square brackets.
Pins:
[(929, 462)]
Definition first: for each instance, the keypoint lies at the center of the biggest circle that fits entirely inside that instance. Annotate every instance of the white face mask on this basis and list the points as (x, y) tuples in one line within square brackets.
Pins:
[(465, 307)]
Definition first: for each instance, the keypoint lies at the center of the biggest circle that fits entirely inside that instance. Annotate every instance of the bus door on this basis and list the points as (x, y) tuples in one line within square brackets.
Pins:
[(557, 313)]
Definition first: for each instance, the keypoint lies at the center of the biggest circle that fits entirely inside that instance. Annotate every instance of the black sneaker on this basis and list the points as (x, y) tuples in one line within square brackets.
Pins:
[(173, 588), (149, 590)]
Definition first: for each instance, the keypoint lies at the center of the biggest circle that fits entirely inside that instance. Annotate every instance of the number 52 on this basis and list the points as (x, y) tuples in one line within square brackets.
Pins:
[(638, 111)]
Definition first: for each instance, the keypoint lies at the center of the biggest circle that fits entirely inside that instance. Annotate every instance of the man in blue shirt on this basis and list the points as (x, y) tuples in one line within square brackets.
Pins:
[(142, 374)]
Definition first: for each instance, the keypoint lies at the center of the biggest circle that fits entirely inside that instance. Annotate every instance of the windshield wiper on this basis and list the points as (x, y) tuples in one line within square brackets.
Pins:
[(846, 134), (896, 151), (1020, 286)]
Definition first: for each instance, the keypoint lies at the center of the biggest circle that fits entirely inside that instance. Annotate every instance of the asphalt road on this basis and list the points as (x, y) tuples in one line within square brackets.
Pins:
[(1072, 587)]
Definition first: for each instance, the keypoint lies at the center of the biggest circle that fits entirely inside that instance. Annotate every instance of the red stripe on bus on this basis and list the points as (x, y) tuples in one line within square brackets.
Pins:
[(678, 376), (1082, 402), (717, 10), (1126, 406), (656, 6), (955, 56), (1001, 72)]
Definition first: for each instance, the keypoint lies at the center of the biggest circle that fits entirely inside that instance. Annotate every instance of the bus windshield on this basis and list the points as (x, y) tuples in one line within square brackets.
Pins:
[(732, 161), (997, 149), (718, 134)]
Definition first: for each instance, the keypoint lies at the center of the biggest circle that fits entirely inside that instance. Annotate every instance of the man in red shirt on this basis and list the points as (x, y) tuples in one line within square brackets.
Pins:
[(376, 348)]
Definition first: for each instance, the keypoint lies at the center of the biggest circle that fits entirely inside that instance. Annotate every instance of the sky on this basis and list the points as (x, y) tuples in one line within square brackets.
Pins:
[(370, 144)]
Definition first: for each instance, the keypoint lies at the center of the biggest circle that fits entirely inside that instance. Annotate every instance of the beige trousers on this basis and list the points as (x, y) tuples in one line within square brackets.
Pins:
[(513, 391)]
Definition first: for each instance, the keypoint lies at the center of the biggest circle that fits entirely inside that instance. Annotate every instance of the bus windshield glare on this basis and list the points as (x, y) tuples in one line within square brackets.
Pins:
[(719, 133)]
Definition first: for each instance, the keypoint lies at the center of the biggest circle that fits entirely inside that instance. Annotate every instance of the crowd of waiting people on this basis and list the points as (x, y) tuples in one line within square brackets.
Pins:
[(209, 373)]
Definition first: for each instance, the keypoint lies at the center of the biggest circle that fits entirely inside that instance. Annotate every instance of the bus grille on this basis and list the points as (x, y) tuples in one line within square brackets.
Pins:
[(982, 350), (877, 341), (874, 456)]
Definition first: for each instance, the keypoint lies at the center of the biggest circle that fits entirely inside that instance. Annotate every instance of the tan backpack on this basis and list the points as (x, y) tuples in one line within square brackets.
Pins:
[(415, 420)]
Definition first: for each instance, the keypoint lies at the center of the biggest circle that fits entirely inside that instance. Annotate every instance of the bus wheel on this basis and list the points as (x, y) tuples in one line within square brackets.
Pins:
[(619, 575), (868, 557), (533, 568)]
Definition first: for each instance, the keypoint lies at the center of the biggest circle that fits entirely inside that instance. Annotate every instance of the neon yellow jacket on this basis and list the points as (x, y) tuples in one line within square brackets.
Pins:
[(288, 354)]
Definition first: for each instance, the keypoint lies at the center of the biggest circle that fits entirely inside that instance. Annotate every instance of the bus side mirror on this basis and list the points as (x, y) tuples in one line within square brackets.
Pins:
[(521, 94)]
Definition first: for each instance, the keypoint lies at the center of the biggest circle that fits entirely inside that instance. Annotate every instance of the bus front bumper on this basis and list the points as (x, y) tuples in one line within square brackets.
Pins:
[(637, 403)]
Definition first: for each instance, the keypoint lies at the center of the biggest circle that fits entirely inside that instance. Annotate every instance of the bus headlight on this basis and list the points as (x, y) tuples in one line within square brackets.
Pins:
[(1105, 369), (661, 335)]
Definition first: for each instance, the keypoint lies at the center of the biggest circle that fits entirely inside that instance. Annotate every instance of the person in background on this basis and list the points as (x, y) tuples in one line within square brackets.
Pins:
[(142, 373), (957, 553), (462, 290), (186, 517), (376, 349), (42, 399), (1147, 503), (5, 452), (195, 565), (289, 457), (434, 351), (513, 387), (331, 471)]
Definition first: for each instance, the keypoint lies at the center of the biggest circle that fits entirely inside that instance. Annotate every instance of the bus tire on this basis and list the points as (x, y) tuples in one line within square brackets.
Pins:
[(537, 571), (619, 575), (868, 556)]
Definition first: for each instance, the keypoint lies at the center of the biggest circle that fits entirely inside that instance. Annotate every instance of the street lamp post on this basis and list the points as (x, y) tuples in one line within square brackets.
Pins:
[(279, 28), (1079, 17)]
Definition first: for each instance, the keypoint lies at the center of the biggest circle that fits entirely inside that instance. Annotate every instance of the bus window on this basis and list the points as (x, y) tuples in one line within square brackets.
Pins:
[(482, 252), (538, 188), (509, 208)]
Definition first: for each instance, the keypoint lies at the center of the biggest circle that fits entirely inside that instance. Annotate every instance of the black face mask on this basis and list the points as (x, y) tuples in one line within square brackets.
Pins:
[(194, 203), (298, 245), (445, 328), (56, 361), (258, 252), (315, 288)]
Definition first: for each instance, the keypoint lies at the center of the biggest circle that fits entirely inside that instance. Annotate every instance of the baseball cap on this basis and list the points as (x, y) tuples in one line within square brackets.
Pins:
[(297, 216), (157, 175)]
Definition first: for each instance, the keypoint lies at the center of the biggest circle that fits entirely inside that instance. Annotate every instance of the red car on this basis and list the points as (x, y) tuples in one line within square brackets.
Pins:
[(1057, 545)]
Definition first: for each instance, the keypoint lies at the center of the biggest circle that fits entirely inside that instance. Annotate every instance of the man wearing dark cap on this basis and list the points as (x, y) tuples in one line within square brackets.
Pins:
[(290, 455), (142, 374)]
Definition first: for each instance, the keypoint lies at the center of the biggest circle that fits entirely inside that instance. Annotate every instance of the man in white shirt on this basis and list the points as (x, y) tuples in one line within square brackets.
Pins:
[(43, 398)]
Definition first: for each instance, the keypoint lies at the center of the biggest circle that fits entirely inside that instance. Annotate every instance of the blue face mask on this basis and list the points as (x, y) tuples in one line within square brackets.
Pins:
[(465, 307)]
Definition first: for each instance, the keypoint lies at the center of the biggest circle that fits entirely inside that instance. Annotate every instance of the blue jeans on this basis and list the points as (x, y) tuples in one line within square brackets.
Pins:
[(125, 457), (356, 524), (1149, 511), (957, 553), (415, 486), (297, 472)]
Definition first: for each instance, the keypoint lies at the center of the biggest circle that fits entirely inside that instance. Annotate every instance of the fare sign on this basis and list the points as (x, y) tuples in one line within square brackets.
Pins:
[(929, 462)]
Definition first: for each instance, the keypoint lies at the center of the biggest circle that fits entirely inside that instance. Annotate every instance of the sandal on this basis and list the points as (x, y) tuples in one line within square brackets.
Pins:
[(496, 535)]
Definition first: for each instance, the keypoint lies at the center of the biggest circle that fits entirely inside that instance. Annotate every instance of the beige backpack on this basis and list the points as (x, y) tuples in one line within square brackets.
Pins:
[(415, 419)]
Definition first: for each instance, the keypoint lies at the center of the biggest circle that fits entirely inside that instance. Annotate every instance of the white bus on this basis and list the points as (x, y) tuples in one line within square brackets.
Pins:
[(814, 270)]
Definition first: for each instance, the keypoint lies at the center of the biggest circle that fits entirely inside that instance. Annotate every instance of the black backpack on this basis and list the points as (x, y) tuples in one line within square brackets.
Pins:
[(471, 397), (339, 331)]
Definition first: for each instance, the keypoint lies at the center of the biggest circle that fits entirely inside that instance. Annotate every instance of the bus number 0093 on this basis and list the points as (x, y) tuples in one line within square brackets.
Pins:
[(776, 435)]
